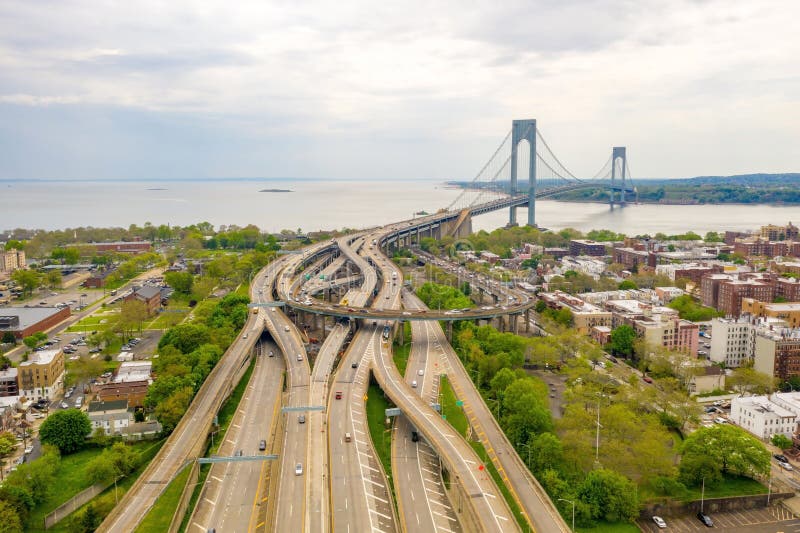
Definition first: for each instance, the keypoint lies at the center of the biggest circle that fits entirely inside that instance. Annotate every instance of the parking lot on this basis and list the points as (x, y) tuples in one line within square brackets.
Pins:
[(766, 520)]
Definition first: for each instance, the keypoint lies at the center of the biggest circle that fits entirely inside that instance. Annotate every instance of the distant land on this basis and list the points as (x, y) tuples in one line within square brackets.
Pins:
[(778, 189), (274, 190)]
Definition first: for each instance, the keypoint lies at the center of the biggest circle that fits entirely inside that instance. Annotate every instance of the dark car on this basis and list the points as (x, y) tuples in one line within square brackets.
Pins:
[(780, 457), (354, 365), (705, 519), (414, 436)]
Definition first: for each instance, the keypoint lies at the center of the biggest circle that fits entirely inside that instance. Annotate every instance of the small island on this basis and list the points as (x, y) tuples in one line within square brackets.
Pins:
[(275, 190), (157, 189)]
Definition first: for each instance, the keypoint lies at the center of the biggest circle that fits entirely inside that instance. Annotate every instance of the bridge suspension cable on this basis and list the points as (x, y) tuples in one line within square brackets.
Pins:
[(481, 173)]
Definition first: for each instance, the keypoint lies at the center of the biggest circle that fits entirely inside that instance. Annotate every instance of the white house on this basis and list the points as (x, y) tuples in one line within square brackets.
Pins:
[(762, 417)]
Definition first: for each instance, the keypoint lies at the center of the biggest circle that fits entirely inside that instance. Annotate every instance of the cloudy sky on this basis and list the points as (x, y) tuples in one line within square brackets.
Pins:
[(411, 89)]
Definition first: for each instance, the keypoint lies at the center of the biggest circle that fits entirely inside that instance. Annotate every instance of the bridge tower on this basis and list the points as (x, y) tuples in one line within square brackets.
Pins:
[(524, 130), (618, 153)]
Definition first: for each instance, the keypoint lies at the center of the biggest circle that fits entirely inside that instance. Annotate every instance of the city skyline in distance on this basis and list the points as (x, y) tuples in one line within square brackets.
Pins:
[(361, 91)]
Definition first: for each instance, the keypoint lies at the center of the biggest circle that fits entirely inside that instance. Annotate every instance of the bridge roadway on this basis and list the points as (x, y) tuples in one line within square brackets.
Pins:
[(318, 506), (188, 439), (526, 490), (227, 500), (421, 499), (479, 496), (367, 313), (292, 511), (361, 499), (524, 486)]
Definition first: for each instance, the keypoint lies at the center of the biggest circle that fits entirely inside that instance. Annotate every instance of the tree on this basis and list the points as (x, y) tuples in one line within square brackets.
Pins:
[(781, 441), (622, 339), (180, 281), (170, 411), (7, 444), (19, 498), (66, 430), (627, 285), (101, 469), (10, 521), (89, 520), (36, 477), (9, 338), (53, 279), (27, 280), (131, 316), (747, 379), (723, 448), (546, 452), (610, 496)]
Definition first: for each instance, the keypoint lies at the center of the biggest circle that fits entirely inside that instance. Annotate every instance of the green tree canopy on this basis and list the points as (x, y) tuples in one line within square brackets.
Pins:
[(622, 340), (725, 449), (66, 430), (610, 496)]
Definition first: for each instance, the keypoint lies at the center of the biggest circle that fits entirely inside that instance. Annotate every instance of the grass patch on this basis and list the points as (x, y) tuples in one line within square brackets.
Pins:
[(729, 486), (452, 412), (228, 408), (381, 436), (160, 515), (71, 478), (168, 318), (512, 504), (400, 353)]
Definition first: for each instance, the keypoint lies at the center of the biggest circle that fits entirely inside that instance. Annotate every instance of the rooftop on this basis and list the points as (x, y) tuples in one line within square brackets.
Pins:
[(45, 357), (148, 291), (28, 316), (115, 405), (763, 404)]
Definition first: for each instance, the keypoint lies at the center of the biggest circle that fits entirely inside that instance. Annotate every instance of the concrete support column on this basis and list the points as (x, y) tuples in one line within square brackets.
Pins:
[(450, 331), (527, 321), (402, 332), (515, 324)]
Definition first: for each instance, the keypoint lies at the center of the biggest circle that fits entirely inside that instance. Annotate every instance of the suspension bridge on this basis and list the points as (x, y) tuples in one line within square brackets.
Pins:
[(524, 149)]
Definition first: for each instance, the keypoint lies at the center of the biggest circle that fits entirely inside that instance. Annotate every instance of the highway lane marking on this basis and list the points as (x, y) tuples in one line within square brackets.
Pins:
[(387, 517), (434, 491), (446, 516), (215, 478), (202, 528), (210, 502), (373, 482)]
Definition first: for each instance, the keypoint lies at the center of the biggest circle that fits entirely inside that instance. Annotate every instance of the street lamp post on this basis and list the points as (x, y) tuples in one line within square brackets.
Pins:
[(528, 446), (573, 510), (703, 494), (597, 431)]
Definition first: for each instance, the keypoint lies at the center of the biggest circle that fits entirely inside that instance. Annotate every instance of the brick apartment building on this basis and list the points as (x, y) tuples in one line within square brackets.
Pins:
[(149, 295), (586, 247)]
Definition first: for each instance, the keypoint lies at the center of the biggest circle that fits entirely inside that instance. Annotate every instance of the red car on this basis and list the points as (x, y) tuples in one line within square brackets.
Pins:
[(647, 379), (338, 395)]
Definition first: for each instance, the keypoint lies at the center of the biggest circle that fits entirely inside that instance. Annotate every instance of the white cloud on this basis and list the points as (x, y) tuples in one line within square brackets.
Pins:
[(663, 77)]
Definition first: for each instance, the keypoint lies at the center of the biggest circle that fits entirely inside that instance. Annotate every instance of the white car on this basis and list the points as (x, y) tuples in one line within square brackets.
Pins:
[(420, 372), (659, 522), (298, 469)]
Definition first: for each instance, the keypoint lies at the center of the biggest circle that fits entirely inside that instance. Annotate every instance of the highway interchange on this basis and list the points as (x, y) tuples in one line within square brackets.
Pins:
[(328, 476)]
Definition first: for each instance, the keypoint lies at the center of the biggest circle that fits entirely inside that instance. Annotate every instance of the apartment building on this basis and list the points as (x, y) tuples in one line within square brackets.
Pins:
[(777, 352), (42, 375), (762, 417), (586, 247), (787, 312), (11, 260), (732, 341), (585, 315)]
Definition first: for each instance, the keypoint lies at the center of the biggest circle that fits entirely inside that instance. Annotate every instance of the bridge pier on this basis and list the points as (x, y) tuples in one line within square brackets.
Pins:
[(523, 130), (527, 321), (618, 153)]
